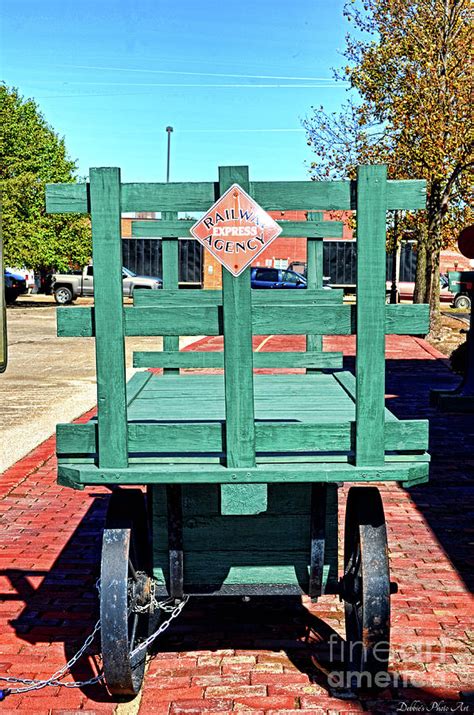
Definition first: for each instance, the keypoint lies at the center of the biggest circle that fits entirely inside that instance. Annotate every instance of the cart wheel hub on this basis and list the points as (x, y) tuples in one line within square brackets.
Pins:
[(140, 591)]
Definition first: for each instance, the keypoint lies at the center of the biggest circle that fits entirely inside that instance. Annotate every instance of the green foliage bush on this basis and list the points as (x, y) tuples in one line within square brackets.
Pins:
[(32, 155)]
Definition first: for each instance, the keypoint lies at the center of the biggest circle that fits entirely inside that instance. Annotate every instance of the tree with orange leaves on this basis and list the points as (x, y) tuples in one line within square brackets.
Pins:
[(409, 62)]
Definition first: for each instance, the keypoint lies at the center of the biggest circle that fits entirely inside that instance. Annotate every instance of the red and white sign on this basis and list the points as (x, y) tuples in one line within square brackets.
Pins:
[(236, 230)]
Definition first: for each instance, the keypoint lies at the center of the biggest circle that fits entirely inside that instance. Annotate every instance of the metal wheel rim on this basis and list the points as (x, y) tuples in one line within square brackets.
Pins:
[(121, 628), (366, 583), (63, 296)]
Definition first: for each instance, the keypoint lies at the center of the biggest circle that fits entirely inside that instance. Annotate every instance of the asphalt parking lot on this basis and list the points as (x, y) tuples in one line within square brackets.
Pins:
[(48, 379)]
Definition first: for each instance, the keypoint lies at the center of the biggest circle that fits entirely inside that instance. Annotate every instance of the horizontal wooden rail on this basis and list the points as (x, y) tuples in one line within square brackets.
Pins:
[(199, 298), (77, 475), (282, 359), (332, 195), (74, 198), (298, 319), (209, 438), (271, 195), (291, 229), (302, 320)]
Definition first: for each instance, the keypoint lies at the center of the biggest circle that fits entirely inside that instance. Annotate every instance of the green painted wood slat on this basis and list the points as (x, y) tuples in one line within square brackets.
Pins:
[(108, 317), (292, 229), (203, 500), (238, 380), (68, 198), (188, 437), (348, 383), (370, 346), (136, 384), (314, 268), (333, 195), (198, 298), (271, 195), (298, 319), (224, 533), (80, 474), (170, 276), (195, 359)]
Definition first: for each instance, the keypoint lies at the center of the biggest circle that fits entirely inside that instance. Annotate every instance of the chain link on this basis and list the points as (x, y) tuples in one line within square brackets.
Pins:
[(55, 679), (168, 606), (173, 614)]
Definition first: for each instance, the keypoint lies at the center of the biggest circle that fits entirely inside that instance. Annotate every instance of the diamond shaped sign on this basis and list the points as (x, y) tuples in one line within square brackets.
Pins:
[(236, 230)]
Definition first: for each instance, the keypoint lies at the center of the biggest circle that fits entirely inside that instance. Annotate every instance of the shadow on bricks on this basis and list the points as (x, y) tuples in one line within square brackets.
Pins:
[(61, 603), (445, 502)]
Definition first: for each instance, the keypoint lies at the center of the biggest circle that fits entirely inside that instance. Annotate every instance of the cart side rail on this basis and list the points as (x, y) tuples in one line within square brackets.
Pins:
[(276, 318), (240, 316), (208, 438)]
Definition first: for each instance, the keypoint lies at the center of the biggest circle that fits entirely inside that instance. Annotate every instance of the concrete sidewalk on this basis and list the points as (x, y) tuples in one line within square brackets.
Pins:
[(48, 379), (229, 656)]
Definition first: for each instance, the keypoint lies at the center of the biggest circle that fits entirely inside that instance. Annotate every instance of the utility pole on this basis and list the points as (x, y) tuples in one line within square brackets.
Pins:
[(169, 130), (170, 266)]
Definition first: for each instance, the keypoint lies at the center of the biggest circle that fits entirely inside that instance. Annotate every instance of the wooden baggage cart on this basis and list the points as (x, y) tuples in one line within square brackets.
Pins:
[(241, 470)]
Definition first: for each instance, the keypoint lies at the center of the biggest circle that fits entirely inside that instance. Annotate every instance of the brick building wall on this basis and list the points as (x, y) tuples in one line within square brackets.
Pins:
[(126, 221)]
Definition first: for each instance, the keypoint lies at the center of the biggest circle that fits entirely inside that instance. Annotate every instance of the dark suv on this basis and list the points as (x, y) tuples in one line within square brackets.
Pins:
[(14, 286), (262, 277)]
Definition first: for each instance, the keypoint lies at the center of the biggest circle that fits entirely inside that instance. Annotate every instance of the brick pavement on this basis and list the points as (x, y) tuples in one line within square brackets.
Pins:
[(227, 655)]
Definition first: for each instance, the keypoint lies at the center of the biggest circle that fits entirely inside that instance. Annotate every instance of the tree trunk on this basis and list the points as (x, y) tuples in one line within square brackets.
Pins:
[(435, 315), (420, 277), (434, 244), (45, 280), (428, 274)]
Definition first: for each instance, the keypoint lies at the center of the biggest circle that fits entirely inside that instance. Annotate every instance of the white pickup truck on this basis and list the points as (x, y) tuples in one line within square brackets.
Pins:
[(69, 286)]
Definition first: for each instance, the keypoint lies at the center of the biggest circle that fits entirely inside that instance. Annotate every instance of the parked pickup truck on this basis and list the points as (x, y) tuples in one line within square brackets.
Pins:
[(69, 286)]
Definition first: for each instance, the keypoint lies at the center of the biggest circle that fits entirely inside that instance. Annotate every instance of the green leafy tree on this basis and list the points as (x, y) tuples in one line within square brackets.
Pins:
[(31, 155), (409, 62)]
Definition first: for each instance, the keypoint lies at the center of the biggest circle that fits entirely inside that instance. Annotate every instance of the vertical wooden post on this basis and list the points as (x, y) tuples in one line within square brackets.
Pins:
[(238, 366), (314, 276), (108, 316), (170, 271), (318, 539), (371, 281), (170, 278)]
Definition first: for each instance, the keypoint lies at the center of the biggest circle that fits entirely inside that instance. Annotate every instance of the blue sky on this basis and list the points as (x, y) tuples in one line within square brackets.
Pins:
[(110, 75)]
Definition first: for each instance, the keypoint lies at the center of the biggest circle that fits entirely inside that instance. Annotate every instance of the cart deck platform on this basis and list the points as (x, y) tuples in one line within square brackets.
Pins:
[(176, 433)]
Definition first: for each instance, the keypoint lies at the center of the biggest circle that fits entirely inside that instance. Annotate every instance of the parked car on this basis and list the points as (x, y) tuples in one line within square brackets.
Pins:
[(263, 277), (458, 283), (27, 273), (405, 290), (15, 285), (69, 286)]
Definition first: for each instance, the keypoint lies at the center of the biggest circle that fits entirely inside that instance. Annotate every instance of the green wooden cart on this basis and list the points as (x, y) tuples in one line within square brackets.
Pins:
[(241, 470)]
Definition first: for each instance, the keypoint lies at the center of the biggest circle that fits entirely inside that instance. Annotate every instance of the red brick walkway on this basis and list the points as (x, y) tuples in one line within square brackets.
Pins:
[(223, 656)]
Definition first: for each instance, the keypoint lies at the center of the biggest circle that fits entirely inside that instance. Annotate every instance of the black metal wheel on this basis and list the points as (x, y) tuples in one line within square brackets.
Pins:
[(365, 587), (124, 589)]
